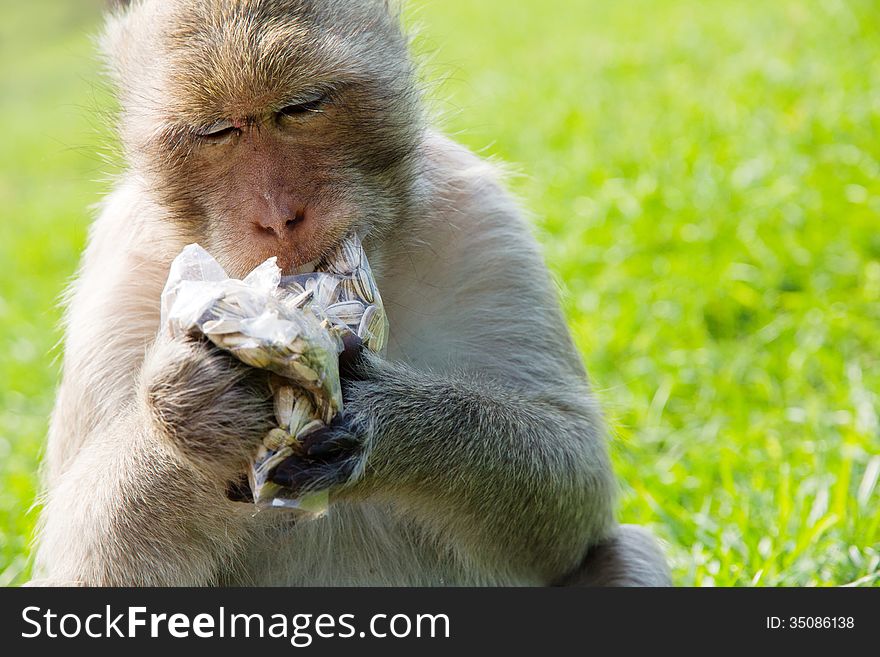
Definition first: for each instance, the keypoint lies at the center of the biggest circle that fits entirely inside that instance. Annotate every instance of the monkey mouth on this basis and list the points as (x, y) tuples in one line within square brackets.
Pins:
[(289, 267), (306, 268)]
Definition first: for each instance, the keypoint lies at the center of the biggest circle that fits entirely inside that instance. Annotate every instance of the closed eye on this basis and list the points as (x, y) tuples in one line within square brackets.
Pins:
[(219, 132), (310, 105)]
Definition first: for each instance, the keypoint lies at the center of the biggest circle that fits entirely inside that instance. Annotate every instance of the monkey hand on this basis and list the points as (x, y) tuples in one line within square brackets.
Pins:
[(212, 409), (333, 457)]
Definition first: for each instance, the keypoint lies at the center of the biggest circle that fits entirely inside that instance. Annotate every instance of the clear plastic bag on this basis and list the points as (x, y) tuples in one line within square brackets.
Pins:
[(292, 326)]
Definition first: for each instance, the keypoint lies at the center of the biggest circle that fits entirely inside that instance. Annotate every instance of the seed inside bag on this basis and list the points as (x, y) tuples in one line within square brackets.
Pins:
[(347, 312), (267, 460), (304, 372), (285, 398), (327, 291), (303, 411), (345, 258), (312, 426), (364, 287), (222, 326), (299, 300), (276, 439)]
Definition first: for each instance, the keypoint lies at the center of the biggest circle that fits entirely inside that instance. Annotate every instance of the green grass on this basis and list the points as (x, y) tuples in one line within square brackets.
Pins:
[(704, 177)]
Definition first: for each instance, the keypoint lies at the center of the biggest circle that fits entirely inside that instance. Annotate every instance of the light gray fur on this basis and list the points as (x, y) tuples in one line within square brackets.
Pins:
[(630, 557)]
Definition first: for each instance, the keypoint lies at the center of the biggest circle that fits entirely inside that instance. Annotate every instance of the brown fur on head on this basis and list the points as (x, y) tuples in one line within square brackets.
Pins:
[(267, 127)]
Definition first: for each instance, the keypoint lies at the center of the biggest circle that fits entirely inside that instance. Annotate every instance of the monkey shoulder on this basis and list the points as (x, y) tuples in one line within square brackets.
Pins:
[(469, 219), (470, 275)]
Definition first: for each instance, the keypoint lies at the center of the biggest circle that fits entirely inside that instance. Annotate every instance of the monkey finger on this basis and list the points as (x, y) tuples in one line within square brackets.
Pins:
[(337, 438), (303, 476), (291, 473), (337, 443)]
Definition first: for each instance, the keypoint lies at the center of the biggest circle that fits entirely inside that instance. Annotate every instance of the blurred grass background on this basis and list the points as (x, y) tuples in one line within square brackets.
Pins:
[(704, 177)]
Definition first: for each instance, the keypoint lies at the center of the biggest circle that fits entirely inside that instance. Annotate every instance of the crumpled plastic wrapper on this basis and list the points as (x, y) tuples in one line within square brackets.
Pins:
[(292, 326)]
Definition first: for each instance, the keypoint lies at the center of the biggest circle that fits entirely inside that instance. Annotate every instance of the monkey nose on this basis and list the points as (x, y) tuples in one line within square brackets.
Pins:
[(279, 223)]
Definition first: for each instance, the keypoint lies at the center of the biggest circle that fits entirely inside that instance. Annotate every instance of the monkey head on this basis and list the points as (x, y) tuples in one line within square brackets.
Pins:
[(267, 127)]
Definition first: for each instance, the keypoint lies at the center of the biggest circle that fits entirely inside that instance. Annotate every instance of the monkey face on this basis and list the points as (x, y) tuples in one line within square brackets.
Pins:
[(268, 127)]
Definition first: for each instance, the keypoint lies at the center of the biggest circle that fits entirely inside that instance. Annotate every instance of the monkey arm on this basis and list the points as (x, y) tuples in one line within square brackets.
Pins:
[(518, 479), (120, 506), (482, 423), (124, 506), (143, 500), (127, 512)]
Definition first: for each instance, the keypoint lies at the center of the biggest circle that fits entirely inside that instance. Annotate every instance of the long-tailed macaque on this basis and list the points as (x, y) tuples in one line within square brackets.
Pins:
[(473, 454)]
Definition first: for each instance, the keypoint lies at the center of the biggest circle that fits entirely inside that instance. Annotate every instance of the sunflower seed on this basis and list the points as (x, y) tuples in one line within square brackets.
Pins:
[(250, 355), (292, 285), (348, 290), (327, 291), (345, 258), (363, 330), (311, 427), (304, 372), (284, 401), (327, 409), (230, 340), (347, 312), (303, 411), (270, 460), (363, 284), (298, 300), (276, 439)]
